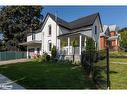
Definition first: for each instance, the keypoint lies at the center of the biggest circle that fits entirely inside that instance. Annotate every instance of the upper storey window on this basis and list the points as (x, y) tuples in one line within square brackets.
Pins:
[(49, 29), (95, 29)]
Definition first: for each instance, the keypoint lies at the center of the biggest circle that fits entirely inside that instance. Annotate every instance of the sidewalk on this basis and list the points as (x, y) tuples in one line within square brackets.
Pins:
[(14, 61), (7, 84)]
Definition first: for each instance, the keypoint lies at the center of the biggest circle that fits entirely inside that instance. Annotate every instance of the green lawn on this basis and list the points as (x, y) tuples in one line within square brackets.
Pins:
[(33, 75), (118, 73), (118, 60)]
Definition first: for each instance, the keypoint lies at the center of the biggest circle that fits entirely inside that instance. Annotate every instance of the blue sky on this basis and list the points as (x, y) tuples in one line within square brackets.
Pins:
[(109, 14)]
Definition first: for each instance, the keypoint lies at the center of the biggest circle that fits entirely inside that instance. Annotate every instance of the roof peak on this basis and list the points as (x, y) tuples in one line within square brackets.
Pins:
[(81, 22)]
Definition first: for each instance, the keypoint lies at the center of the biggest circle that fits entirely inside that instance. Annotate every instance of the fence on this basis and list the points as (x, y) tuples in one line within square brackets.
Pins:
[(95, 65), (9, 55)]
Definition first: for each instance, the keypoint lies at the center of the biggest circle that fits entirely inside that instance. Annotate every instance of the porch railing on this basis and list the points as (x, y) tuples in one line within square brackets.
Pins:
[(72, 50)]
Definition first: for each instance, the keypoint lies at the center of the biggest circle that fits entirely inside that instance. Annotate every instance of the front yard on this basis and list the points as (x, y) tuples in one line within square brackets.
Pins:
[(118, 73), (34, 75)]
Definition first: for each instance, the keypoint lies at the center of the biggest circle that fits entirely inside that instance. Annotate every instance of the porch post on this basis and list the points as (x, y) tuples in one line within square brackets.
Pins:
[(80, 44), (85, 43), (59, 46), (68, 45), (27, 53)]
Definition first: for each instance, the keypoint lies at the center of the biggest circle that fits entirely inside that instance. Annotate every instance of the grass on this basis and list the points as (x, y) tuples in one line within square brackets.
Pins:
[(34, 75), (118, 73), (118, 60), (116, 53)]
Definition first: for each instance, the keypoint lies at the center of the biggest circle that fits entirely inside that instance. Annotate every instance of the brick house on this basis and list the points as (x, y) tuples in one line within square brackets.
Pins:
[(111, 31)]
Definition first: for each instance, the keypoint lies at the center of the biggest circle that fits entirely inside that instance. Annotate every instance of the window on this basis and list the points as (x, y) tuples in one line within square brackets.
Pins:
[(49, 45), (49, 29), (95, 29), (38, 50), (31, 50), (33, 36)]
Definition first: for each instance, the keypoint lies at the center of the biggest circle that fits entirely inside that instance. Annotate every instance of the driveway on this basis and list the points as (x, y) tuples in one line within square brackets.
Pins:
[(7, 84), (14, 61)]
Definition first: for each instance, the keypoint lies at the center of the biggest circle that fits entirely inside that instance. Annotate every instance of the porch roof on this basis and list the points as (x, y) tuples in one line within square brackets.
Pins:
[(73, 33), (31, 43)]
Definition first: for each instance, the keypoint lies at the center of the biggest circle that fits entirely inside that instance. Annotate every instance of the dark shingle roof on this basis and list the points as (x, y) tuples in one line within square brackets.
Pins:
[(59, 21), (82, 22)]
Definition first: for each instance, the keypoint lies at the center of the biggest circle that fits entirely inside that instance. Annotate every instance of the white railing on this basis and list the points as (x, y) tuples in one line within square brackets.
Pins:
[(72, 50)]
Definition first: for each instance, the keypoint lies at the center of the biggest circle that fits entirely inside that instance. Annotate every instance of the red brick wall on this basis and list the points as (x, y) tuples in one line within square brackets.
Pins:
[(102, 42), (113, 44)]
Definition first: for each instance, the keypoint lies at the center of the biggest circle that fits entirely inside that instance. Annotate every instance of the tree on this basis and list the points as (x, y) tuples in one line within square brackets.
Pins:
[(54, 52), (90, 55), (123, 34), (16, 22), (74, 44)]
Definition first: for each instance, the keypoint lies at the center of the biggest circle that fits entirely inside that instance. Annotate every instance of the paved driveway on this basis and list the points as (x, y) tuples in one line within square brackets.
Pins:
[(7, 84), (14, 61)]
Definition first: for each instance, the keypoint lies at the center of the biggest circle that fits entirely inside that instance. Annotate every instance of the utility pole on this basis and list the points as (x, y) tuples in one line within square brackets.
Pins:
[(108, 69)]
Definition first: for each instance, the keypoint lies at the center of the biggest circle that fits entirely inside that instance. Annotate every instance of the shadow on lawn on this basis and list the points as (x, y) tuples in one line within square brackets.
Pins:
[(113, 72)]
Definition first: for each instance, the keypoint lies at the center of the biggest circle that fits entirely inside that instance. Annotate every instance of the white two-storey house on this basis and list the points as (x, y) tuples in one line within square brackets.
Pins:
[(60, 33)]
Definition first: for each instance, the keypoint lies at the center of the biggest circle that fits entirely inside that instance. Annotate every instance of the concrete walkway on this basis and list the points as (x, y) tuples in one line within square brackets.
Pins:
[(7, 84), (14, 61)]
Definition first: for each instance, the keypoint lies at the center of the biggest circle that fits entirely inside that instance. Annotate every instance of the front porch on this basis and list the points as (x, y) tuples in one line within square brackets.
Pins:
[(33, 48), (71, 46)]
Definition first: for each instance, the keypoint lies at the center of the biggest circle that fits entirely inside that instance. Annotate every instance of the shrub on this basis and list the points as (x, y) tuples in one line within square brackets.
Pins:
[(102, 54), (44, 58), (54, 52)]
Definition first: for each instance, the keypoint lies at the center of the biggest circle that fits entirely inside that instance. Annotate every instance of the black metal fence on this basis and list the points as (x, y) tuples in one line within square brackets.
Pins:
[(95, 67)]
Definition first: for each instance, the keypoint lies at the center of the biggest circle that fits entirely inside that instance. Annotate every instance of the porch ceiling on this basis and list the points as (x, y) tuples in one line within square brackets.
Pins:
[(31, 43)]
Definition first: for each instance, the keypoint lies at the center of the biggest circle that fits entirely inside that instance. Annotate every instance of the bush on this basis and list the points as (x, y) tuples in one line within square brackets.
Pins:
[(44, 58), (102, 54), (54, 52)]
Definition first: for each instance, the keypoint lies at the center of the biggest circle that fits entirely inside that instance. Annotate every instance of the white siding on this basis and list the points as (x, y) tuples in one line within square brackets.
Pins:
[(29, 38), (52, 37), (96, 37), (38, 37)]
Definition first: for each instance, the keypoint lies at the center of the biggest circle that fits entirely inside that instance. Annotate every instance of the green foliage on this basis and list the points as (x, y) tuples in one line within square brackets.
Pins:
[(45, 57), (47, 76), (123, 41), (120, 53), (74, 43), (64, 43), (54, 52), (88, 57), (90, 45), (102, 54), (16, 21)]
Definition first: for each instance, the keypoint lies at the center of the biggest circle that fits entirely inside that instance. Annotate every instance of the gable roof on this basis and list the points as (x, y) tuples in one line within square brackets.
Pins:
[(81, 22)]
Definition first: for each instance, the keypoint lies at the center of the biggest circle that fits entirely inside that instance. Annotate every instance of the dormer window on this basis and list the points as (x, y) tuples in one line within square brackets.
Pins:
[(95, 29), (49, 29), (33, 36)]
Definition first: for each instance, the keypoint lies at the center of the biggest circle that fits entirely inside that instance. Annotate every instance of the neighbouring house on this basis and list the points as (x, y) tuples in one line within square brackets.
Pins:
[(60, 33), (110, 31)]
